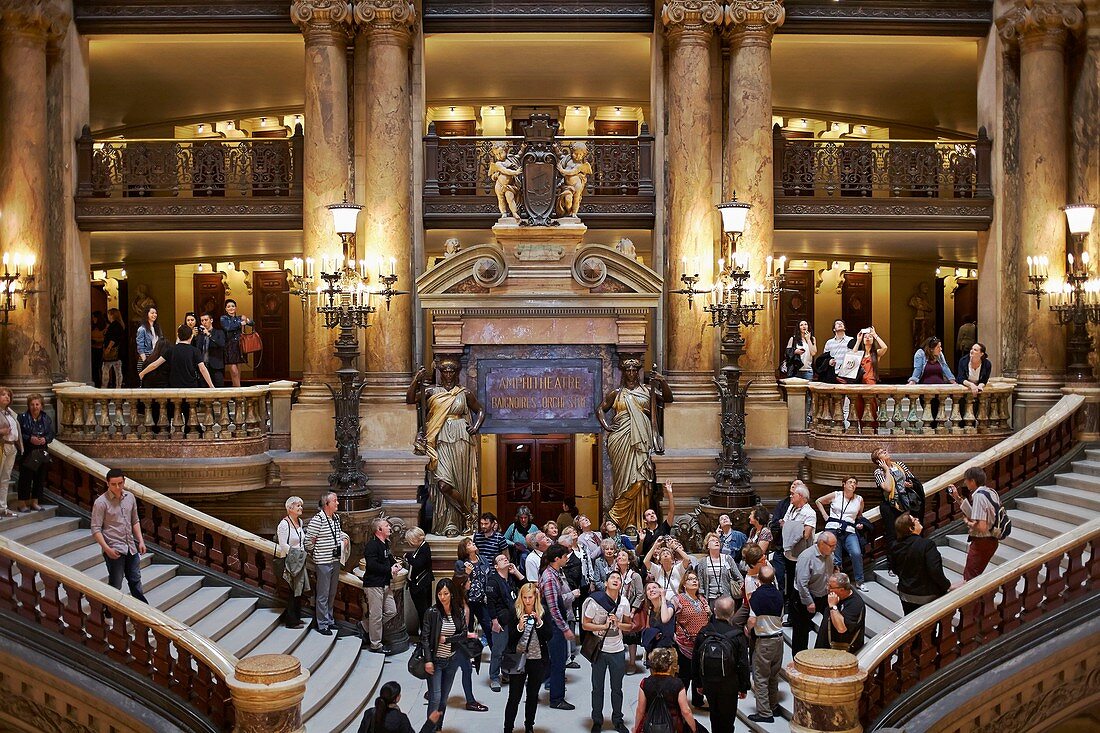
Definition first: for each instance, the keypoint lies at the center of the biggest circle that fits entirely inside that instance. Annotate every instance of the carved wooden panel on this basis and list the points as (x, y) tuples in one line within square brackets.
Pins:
[(272, 304), (452, 128), (209, 295)]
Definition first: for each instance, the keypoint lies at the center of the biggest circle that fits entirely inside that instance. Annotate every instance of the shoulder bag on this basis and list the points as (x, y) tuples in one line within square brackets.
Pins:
[(592, 646), (417, 661), (250, 342)]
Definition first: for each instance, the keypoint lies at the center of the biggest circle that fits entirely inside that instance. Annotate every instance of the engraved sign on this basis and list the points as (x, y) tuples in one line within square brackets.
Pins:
[(539, 395)]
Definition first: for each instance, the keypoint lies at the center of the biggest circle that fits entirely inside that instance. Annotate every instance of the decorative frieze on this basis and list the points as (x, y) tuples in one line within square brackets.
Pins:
[(1040, 23), (384, 21), (322, 21), (691, 21), (753, 22)]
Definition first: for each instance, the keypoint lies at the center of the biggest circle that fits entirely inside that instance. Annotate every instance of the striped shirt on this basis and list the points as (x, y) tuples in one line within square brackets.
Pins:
[(323, 538), (491, 545), (444, 651)]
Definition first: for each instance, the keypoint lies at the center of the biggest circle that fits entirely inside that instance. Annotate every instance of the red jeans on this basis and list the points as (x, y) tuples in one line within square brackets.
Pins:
[(978, 555)]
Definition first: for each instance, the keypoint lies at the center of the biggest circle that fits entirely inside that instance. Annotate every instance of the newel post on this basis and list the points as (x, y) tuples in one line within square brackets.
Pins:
[(827, 685), (281, 393), (267, 692)]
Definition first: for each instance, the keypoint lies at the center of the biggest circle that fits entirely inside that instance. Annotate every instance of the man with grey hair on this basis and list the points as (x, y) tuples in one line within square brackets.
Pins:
[(325, 541), (380, 567), (812, 571), (797, 528), (539, 544), (843, 625), (766, 620)]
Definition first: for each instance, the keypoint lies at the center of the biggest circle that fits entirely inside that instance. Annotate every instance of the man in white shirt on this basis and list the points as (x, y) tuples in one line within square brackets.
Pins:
[(798, 526), (534, 557), (980, 515), (602, 614), (839, 345)]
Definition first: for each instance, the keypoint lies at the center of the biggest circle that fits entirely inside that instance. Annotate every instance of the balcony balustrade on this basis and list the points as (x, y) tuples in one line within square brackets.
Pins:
[(883, 184), (459, 193), (180, 184), (174, 423)]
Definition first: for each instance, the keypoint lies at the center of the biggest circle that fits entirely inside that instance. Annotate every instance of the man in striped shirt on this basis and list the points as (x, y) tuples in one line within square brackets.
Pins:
[(559, 600), (324, 540), (489, 540)]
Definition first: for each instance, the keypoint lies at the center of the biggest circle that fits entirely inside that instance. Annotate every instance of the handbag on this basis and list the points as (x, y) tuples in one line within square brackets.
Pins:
[(417, 661), (35, 459), (250, 342), (640, 621), (471, 647), (110, 353), (592, 646)]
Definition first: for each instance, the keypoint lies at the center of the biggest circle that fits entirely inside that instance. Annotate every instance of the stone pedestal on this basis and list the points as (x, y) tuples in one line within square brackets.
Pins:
[(267, 692), (692, 218), (325, 26), (827, 685)]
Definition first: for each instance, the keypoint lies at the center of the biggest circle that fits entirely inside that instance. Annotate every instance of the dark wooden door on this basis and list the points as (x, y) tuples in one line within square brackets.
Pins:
[(616, 127), (796, 303), (209, 296), (456, 128), (855, 301), (272, 304), (966, 309), (537, 472)]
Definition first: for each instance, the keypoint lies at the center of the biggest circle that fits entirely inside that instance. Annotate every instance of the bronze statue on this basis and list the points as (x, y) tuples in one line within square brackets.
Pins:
[(633, 438), (448, 418)]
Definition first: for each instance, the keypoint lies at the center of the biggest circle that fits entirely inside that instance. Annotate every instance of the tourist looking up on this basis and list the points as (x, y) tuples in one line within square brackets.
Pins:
[(501, 591), (918, 564), (692, 614), (801, 350), (845, 508), (559, 599), (669, 566), (798, 526), (606, 613)]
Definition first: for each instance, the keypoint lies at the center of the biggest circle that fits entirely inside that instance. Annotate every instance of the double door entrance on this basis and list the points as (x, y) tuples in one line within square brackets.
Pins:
[(536, 471)]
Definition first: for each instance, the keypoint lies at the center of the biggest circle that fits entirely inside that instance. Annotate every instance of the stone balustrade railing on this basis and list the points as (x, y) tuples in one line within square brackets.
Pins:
[(1011, 462), (990, 606), (89, 613), (229, 421), (180, 529)]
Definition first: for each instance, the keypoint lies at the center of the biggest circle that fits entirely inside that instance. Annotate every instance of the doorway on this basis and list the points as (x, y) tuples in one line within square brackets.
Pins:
[(536, 471)]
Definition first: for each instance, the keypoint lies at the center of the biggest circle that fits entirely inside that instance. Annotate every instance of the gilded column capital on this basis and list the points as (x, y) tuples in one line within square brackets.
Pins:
[(1040, 24), (753, 22), (33, 18), (383, 21), (322, 21), (691, 21)]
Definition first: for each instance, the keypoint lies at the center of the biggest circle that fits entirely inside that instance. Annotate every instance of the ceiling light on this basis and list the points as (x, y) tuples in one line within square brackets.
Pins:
[(576, 108), (201, 267), (229, 124), (804, 122), (618, 110), (452, 109), (122, 274), (492, 108), (866, 266), (937, 272), (202, 128), (863, 129), (297, 118), (263, 122), (805, 263)]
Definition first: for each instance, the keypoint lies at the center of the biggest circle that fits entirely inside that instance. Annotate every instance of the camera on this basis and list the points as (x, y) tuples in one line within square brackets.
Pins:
[(951, 490), (530, 620)]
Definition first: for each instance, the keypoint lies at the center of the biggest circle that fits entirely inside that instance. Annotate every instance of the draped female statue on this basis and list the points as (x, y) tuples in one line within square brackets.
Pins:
[(448, 418), (633, 437)]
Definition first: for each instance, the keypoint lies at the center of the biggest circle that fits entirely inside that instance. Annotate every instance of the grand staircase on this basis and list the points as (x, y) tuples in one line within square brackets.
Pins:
[(1072, 500), (341, 676)]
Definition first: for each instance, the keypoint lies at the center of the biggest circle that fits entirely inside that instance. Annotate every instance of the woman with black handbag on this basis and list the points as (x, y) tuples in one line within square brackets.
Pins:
[(526, 658), (469, 649), (37, 432), (441, 632), (798, 358), (418, 559)]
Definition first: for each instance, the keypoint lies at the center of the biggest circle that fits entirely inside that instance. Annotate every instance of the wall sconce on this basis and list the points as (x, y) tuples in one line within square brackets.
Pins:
[(16, 282)]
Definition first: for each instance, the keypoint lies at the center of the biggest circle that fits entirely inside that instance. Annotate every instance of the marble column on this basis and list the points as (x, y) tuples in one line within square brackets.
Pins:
[(27, 360), (325, 25), (1041, 29), (386, 27), (751, 25), (692, 218)]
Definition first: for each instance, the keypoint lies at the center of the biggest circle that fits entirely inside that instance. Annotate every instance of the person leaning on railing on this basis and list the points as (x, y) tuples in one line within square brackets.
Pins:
[(974, 368)]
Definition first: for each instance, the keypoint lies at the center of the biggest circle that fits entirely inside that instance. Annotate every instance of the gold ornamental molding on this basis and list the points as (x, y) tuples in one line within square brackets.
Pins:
[(386, 21), (323, 22), (690, 22), (38, 19), (1040, 24), (753, 22)]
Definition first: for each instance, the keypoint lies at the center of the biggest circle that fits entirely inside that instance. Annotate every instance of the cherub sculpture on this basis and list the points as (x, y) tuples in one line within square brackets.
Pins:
[(575, 169), (503, 173)]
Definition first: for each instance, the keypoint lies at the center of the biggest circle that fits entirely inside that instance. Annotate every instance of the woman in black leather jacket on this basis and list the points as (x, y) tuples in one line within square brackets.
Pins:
[(528, 608), (444, 625)]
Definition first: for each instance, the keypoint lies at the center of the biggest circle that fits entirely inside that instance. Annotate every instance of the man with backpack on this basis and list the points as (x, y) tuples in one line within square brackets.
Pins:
[(986, 521), (722, 654)]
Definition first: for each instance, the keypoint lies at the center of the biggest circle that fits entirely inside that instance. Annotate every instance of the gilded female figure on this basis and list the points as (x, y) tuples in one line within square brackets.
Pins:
[(632, 440), (449, 417)]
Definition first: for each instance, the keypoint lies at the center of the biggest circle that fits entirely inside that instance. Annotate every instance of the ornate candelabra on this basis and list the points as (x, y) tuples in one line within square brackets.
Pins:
[(732, 304), (346, 303), (16, 282), (1076, 302)]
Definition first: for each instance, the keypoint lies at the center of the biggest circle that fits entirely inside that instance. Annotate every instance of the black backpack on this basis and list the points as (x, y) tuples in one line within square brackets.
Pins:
[(657, 719), (717, 657)]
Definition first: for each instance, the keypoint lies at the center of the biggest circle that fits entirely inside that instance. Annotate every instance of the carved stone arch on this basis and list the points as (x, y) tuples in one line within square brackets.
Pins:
[(595, 263), (484, 263)]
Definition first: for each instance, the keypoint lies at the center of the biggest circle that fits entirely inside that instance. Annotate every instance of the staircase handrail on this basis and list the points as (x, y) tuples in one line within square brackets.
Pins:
[(981, 615), (1063, 410), (179, 509), (91, 628)]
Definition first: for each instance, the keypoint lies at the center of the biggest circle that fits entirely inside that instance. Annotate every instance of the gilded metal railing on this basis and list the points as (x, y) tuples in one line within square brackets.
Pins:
[(191, 534), (203, 167), (959, 169), (988, 607), (67, 603)]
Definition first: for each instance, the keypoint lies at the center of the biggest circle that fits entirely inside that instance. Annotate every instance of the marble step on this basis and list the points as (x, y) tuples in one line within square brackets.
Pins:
[(1045, 526), (346, 705), (1004, 552), (63, 543), (226, 616), (1069, 496), (172, 591), (10, 523), (32, 530), (883, 599), (200, 603), (1079, 481), (314, 650), (329, 677), (1089, 467), (1053, 509), (250, 631), (282, 640)]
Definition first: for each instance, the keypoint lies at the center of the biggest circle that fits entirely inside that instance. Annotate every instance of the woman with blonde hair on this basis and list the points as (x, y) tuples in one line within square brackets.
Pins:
[(418, 560), (529, 636), (11, 438), (663, 687), (290, 560)]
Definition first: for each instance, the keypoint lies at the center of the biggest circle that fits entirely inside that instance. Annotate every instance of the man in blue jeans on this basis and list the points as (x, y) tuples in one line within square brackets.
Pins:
[(605, 613), (116, 527), (559, 600)]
